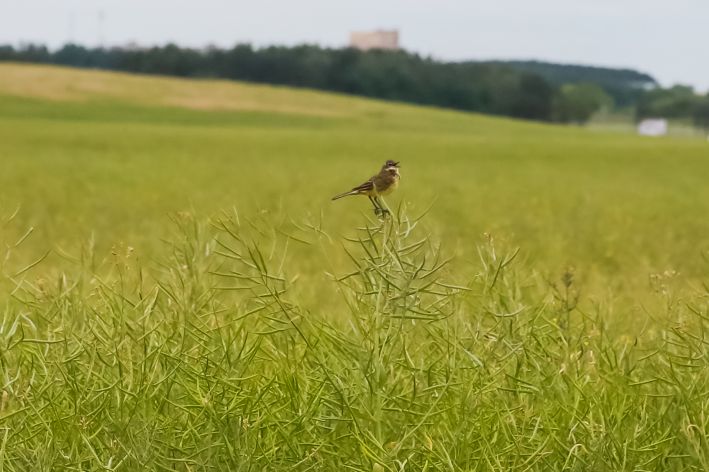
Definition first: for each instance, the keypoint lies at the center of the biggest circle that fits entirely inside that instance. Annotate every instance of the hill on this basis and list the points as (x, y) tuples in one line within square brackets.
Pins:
[(391, 75)]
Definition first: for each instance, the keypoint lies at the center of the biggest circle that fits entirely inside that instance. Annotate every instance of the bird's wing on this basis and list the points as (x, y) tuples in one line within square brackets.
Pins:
[(367, 186)]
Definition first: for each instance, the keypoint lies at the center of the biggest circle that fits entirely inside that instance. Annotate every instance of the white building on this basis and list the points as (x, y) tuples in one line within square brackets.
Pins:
[(653, 127), (379, 39)]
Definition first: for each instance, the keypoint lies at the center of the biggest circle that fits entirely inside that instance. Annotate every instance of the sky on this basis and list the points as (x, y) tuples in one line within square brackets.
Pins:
[(664, 38)]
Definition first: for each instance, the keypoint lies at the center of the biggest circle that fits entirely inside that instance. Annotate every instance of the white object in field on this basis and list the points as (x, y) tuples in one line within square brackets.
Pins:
[(380, 39), (653, 127)]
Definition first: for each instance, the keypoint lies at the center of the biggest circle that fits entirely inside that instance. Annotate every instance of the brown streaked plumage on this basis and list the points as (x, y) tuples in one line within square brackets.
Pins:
[(383, 183)]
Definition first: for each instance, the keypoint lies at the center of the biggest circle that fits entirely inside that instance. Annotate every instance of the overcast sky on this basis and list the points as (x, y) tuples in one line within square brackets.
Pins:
[(664, 38)]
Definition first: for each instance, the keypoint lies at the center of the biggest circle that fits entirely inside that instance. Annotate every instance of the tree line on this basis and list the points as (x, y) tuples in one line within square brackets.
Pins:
[(536, 91), (625, 86), (677, 102)]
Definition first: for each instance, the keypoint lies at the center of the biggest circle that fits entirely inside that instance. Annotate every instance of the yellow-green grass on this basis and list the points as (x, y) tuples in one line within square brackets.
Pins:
[(109, 156), (204, 304)]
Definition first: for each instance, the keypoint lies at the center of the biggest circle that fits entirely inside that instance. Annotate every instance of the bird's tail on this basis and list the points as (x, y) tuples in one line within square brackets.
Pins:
[(346, 194)]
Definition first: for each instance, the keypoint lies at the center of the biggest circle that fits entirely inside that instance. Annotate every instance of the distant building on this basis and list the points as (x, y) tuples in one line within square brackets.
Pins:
[(380, 39), (653, 127)]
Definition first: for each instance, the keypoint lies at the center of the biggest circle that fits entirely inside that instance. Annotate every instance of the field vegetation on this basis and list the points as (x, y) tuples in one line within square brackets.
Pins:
[(178, 292)]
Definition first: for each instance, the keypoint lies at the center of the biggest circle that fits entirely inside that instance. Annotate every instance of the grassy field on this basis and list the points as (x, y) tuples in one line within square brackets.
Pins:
[(179, 293)]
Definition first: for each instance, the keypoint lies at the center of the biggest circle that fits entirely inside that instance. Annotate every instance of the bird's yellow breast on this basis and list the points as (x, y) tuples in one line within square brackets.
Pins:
[(391, 187)]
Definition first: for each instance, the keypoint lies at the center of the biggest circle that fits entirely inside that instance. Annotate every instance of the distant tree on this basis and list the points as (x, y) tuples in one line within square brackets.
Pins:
[(674, 102), (7, 53), (72, 54), (33, 53), (700, 114), (533, 99), (575, 103), (624, 85)]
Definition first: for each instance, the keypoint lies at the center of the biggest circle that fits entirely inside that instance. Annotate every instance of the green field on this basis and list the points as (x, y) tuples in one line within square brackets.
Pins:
[(179, 292)]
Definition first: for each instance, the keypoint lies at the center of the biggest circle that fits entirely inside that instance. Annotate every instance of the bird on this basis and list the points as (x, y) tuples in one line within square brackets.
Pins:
[(383, 183)]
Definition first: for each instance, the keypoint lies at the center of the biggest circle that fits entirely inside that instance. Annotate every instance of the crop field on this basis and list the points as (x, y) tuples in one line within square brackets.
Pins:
[(178, 292)]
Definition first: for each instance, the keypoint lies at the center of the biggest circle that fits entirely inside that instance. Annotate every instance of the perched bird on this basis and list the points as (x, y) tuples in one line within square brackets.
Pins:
[(385, 182)]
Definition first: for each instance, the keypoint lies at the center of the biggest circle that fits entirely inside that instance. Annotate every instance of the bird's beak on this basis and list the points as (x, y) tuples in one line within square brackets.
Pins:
[(396, 164)]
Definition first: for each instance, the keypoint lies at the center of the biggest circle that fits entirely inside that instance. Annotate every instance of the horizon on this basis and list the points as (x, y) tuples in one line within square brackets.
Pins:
[(600, 35)]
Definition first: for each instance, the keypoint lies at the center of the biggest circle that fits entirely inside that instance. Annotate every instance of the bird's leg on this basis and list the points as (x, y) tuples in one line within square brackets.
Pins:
[(377, 208), (382, 208)]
